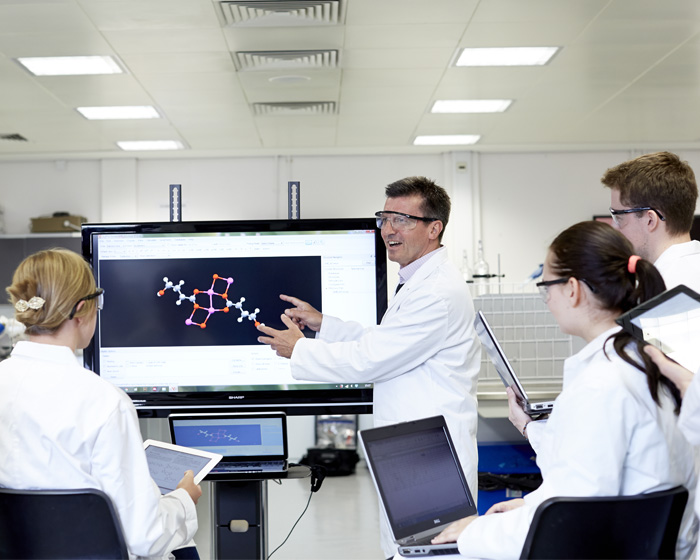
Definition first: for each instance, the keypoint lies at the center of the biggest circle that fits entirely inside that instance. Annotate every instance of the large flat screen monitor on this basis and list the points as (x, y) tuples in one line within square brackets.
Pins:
[(182, 299)]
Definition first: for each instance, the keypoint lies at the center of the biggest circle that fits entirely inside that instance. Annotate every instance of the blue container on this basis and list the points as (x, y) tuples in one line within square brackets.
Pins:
[(504, 458)]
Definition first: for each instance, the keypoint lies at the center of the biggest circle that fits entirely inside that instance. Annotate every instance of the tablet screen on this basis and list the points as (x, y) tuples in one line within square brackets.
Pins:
[(168, 466), (674, 327)]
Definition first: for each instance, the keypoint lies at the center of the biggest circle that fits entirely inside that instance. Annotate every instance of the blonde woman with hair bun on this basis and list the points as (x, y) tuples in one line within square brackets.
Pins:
[(62, 426)]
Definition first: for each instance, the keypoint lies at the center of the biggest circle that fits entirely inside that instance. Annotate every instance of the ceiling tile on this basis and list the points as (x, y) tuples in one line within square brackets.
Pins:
[(397, 58), (166, 41), (412, 36), (119, 15), (400, 11)]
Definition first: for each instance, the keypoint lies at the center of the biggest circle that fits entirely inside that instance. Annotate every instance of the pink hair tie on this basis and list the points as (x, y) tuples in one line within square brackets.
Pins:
[(632, 264)]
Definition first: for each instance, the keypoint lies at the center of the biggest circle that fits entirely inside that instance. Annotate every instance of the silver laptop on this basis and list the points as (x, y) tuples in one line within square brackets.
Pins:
[(505, 370), (420, 482), (253, 445)]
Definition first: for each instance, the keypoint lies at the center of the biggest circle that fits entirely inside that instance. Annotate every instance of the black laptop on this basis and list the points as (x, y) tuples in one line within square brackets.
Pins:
[(253, 445), (420, 482)]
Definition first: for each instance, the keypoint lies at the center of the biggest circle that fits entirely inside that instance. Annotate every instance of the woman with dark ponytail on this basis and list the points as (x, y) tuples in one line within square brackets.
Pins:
[(613, 430)]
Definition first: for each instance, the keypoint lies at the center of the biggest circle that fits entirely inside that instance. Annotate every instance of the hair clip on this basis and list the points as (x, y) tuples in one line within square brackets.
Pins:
[(34, 303)]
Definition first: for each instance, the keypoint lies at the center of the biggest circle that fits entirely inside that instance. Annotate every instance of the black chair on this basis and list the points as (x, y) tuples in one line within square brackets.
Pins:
[(59, 524), (640, 526)]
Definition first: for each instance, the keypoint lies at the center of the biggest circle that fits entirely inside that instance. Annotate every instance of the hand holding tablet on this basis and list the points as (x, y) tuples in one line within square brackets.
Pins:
[(167, 463)]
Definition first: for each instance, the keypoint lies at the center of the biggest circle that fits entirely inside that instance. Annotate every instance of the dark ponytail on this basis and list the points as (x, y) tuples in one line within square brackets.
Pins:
[(599, 256)]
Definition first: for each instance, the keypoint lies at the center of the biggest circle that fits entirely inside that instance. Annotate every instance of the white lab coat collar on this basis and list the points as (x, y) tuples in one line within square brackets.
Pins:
[(437, 258), (406, 272), (677, 251), (46, 352), (592, 351)]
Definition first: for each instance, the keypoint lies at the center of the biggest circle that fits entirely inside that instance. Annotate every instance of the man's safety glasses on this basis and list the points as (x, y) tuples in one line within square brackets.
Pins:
[(399, 221), (617, 214)]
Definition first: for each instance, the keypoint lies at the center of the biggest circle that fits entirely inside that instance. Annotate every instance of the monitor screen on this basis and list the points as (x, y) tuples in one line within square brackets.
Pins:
[(182, 300)]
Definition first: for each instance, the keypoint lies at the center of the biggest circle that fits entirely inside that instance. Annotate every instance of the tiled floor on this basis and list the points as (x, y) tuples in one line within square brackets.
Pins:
[(342, 521)]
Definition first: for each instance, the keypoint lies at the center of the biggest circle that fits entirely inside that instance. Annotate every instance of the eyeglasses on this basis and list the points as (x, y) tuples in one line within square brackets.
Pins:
[(543, 286), (617, 213), (400, 221), (99, 293)]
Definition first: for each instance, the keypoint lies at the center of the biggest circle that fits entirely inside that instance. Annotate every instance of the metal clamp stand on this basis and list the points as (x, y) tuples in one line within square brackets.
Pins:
[(175, 203), (294, 200)]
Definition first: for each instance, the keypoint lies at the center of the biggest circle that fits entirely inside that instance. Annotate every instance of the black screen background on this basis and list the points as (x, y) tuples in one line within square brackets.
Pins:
[(134, 315)]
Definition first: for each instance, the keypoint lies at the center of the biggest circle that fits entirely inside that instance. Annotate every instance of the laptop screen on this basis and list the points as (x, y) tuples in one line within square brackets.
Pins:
[(418, 475), (493, 349), (235, 436)]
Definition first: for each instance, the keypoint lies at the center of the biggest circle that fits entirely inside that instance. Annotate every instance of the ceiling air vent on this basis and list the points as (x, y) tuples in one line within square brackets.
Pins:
[(14, 136), (281, 13), (297, 108), (286, 60)]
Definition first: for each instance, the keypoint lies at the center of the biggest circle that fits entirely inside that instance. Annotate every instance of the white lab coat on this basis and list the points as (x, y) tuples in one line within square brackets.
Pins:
[(605, 437), (680, 264), (689, 421), (423, 359), (62, 427)]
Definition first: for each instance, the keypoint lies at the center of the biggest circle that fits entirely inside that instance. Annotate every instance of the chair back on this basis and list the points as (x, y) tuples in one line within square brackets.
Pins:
[(640, 526), (59, 524)]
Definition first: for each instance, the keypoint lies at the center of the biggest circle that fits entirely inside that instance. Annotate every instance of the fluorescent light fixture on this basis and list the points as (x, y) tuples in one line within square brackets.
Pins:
[(126, 112), (446, 140), (139, 145), (471, 105), (506, 56), (70, 65)]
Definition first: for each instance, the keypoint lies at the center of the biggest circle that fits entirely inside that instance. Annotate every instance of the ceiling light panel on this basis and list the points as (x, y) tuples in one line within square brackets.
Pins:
[(506, 56), (281, 13), (143, 145), (71, 65), (471, 105), (125, 112), (285, 60), (447, 140)]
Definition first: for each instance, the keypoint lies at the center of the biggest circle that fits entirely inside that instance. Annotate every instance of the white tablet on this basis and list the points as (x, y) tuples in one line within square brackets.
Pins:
[(168, 462)]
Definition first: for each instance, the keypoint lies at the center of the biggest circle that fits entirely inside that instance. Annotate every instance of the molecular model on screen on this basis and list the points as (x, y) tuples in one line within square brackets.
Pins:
[(210, 309), (217, 436)]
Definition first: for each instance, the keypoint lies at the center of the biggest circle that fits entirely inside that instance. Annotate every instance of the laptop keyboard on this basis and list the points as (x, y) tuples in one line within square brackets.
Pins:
[(255, 466)]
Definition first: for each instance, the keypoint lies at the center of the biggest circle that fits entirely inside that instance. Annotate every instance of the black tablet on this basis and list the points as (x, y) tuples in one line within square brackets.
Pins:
[(671, 322)]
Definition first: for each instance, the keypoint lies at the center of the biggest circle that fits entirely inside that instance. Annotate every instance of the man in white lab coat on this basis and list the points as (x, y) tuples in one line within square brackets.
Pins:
[(424, 357), (653, 199)]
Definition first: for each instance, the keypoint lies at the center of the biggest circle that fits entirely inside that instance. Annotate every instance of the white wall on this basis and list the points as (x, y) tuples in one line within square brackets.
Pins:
[(34, 188), (515, 202), (527, 199)]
